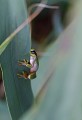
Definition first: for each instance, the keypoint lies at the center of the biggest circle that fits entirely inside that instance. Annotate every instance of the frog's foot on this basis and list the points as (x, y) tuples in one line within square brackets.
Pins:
[(25, 63), (23, 75), (32, 75)]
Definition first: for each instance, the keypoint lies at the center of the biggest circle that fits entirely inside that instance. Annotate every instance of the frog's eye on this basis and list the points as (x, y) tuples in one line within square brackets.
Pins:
[(32, 50)]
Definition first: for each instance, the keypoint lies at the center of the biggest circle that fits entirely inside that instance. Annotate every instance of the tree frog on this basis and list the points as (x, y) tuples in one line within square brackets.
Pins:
[(33, 64)]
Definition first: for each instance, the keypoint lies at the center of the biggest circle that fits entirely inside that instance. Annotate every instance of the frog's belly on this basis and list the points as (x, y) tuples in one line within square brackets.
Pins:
[(34, 68)]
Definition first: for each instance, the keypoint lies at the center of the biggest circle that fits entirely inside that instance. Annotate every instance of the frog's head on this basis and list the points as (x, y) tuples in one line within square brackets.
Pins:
[(33, 53)]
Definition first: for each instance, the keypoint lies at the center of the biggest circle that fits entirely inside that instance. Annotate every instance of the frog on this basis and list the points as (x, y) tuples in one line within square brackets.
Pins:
[(32, 64)]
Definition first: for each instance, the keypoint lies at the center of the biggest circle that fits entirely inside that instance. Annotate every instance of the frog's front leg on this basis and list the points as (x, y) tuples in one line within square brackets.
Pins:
[(24, 63)]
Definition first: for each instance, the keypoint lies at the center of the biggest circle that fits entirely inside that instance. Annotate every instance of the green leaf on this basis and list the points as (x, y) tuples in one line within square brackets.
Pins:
[(18, 91), (62, 72)]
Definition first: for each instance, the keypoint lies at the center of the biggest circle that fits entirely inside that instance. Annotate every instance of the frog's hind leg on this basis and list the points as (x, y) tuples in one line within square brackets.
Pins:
[(32, 75), (23, 75)]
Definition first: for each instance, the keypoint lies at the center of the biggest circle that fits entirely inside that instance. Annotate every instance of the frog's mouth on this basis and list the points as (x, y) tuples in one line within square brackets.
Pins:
[(33, 55)]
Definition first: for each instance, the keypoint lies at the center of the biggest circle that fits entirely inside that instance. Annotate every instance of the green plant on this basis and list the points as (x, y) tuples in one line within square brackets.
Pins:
[(58, 85), (13, 13)]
